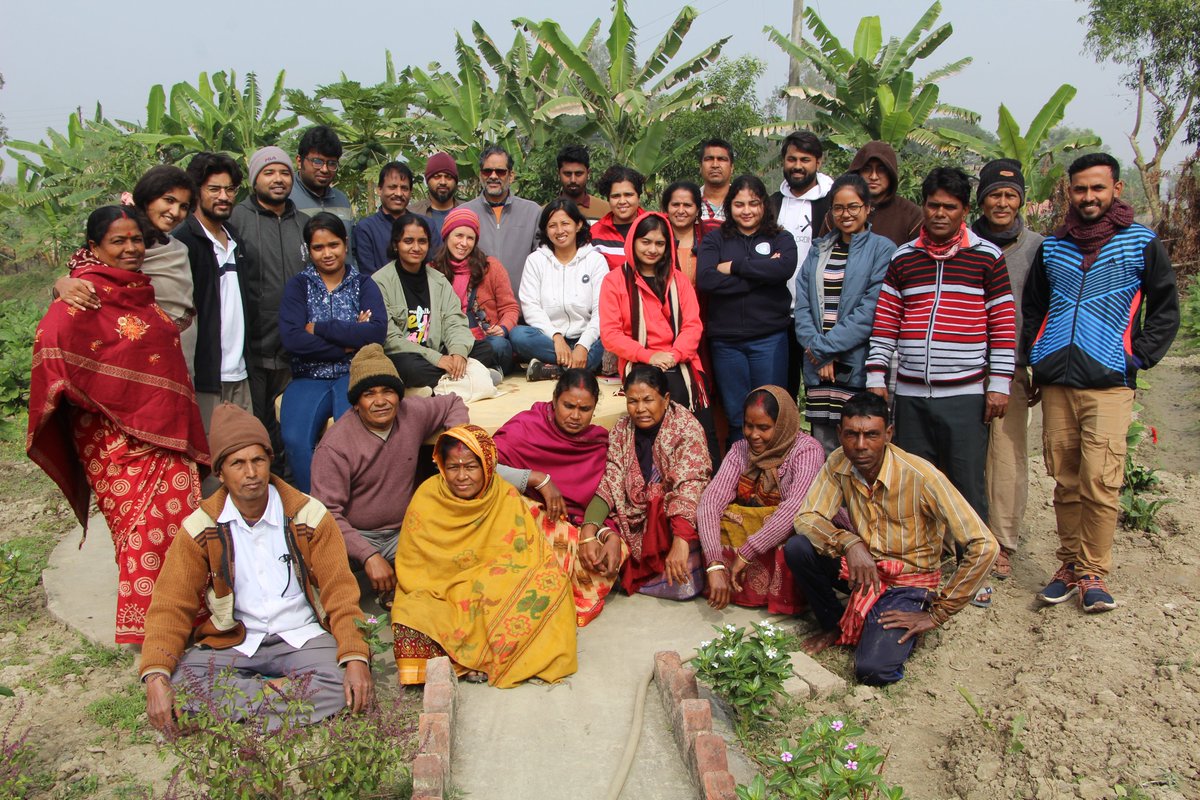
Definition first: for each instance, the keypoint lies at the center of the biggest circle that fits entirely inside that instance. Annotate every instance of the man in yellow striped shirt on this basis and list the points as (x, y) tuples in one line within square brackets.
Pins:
[(902, 508)]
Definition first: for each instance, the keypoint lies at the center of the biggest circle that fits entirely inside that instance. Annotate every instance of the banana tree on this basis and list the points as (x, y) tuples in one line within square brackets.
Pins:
[(873, 92), (1035, 149), (629, 105)]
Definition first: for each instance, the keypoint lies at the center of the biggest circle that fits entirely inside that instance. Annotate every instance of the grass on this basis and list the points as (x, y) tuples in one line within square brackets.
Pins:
[(122, 711), (84, 656)]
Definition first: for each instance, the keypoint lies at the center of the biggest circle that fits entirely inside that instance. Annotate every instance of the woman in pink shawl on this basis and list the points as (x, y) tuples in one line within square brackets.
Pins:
[(555, 451)]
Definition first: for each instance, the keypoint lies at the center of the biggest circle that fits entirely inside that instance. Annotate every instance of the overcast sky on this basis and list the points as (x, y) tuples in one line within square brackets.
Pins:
[(61, 54)]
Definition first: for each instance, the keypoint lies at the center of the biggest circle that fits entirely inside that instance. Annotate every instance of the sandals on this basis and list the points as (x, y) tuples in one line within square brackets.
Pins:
[(983, 598), (475, 677), (1002, 569)]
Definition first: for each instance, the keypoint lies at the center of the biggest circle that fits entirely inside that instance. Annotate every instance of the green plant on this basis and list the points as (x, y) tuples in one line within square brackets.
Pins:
[(372, 629), (1140, 514), (86, 655), (123, 710), (17, 758), (18, 321), (1015, 745), (828, 760), (976, 707), (15, 571), (1189, 311), (748, 670)]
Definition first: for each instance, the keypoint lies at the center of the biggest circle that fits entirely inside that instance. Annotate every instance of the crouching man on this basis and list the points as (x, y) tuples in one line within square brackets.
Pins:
[(294, 609), (902, 507)]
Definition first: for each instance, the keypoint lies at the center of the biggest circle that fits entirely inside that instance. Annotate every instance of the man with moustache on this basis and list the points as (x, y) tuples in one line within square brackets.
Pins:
[(441, 181), (1100, 304), (716, 173), (373, 235), (271, 233), (364, 467), (222, 324), (895, 217), (801, 206), (507, 223), (574, 169)]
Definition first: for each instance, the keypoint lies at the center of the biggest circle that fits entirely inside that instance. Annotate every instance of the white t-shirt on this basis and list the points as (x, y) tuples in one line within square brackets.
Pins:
[(233, 319), (795, 216), (268, 596)]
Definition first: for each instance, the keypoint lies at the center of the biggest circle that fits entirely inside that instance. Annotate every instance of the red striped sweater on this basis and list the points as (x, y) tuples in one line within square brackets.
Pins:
[(951, 321)]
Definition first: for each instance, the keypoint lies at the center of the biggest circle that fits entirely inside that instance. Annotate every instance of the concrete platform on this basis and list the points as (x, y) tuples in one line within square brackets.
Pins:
[(81, 584)]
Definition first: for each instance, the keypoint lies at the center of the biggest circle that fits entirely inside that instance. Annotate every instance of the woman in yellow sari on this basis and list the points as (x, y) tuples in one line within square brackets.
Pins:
[(476, 579)]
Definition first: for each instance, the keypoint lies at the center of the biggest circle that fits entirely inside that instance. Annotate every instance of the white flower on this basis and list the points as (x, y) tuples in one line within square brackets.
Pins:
[(731, 629), (729, 654), (706, 643), (771, 652)]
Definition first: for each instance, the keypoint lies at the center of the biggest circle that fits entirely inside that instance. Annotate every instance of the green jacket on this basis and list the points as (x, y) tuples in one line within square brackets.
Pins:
[(448, 330)]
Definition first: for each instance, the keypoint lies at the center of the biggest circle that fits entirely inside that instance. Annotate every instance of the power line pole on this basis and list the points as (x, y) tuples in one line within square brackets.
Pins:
[(794, 103)]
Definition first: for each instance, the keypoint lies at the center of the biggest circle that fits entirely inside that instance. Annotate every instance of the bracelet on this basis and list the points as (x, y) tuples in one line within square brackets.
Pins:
[(589, 539), (151, 676), (741, 557), (603, 534), (545, 480), (715, 567)]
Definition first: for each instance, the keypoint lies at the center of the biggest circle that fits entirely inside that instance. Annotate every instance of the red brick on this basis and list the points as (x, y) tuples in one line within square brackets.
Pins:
[(429, 777), (433, 734), (709, 754), (666, 664), (437, 670), (717, 786), (696, 716), (439, 699), (683, 686)]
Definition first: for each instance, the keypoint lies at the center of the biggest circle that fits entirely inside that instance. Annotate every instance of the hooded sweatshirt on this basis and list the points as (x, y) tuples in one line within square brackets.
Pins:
[(754, 299), (895, 217)]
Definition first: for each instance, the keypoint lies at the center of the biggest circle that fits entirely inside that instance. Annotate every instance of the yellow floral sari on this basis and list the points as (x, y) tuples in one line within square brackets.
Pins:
[(478, 580)]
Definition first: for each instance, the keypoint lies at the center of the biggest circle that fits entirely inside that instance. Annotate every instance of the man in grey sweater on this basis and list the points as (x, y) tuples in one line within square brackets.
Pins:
[(1001, 197), (507, 223)]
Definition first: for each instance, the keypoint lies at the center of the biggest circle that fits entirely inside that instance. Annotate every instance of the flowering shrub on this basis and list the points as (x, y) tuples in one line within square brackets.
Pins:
[(748, 670), (828, 761), (372, 630), (16, 760)]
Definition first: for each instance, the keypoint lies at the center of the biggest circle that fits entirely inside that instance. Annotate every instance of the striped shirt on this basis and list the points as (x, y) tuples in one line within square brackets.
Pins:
[(952, 322), (904, 517), (823, 402)]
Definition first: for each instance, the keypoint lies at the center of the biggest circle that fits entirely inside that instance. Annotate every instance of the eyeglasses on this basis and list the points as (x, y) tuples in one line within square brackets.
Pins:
[(499, 172), (321, 163), (217, 191), (851, 210)]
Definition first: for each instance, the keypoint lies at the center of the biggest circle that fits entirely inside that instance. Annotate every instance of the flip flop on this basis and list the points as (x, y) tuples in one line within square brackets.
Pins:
[(1002, 569), (983, 598), (475, 677)]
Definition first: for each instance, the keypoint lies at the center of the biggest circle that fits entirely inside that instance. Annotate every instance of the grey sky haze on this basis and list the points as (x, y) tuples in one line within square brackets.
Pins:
[(61, 54)]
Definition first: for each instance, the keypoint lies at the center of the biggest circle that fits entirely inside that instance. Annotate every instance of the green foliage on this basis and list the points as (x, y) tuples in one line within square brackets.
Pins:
[(343, 757), (874, 93), (747, 670), (88, 654), (1189, 312), (828, 760), (16, 572), (1138, 512), (17, 759), (372, 629), (125, 710), (18, 321)]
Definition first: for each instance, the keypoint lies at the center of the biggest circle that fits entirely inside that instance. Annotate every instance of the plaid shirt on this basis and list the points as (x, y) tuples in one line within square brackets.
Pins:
[(905, 516)]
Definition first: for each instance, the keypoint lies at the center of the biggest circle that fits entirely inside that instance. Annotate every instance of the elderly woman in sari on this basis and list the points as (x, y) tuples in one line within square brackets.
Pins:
[(658, 466), (111, 410), (746, 512), (553, 450), (476, 579)]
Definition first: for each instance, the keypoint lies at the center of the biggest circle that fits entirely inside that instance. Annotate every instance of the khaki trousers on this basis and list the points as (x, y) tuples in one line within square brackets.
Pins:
[(1083, 440), (1007, 469)]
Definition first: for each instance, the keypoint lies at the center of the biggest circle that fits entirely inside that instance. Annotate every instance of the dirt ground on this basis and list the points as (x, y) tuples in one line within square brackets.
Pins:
[(1069, 705)]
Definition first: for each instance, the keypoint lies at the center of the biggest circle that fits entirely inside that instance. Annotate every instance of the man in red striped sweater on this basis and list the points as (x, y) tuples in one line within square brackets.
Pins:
[(947, 307)]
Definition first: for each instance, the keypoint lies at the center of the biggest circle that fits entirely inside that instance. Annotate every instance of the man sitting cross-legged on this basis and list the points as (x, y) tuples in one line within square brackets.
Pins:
[(365, 466), (902, 508), (290, 564)]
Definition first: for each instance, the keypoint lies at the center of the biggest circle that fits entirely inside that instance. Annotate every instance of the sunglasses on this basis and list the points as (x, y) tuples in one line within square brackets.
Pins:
[(498, 172)]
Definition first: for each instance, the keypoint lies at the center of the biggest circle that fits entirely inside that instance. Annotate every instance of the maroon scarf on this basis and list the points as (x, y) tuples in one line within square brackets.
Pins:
[(1089, 237), (943, 251), (122, 360)]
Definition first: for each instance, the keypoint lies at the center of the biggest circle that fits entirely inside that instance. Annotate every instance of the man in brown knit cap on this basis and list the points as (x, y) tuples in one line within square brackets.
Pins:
[(287, 545)]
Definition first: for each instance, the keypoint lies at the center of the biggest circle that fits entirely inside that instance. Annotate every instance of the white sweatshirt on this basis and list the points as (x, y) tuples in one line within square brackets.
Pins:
[(564, 299)]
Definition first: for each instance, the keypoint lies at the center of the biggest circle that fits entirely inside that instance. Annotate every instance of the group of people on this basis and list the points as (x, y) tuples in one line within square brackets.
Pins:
[(197, 336)]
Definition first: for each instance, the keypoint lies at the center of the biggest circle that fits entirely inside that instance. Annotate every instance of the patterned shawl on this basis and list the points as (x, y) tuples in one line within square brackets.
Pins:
[(763, 469), (122, 360), (480, 578), (532, 440), (681, 459)]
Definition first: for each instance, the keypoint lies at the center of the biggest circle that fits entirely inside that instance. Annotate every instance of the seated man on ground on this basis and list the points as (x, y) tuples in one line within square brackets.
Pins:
[(364, 469), (902, 508), (287, 546)]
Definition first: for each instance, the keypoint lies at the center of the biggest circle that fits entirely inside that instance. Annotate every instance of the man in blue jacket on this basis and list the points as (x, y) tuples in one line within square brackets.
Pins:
[(1100, 303)]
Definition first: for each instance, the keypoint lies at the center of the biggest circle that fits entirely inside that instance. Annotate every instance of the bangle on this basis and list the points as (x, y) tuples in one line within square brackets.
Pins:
[(151, 676), (545, 480), (589, 539), (741, 557), (603, 534), (715, 567)]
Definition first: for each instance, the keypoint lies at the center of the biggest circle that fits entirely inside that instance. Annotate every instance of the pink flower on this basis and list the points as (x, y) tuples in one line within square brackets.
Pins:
[(126, 198), (837, 725), (850, 746), (785, 756), (372, 621), (851, 765)]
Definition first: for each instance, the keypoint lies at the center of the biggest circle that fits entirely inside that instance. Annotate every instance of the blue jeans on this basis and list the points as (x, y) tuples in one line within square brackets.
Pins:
[(308, 403), (503, 349), (531, 343), (741, 367)]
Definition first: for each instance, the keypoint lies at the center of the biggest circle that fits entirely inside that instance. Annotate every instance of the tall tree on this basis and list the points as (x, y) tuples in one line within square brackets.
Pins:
[(1158, 42)]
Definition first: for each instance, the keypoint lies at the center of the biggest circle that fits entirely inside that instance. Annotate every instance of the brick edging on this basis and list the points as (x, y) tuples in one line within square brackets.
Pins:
[(702, 751), (435, 731)]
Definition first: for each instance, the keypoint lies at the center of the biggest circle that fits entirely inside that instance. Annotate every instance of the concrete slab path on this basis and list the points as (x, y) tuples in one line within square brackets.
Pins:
[(81, 584)]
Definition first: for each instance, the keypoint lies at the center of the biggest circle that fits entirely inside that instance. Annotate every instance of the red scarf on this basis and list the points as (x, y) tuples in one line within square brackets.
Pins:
[(944, 251), (122, 360), (1089, 237), (864, 598)]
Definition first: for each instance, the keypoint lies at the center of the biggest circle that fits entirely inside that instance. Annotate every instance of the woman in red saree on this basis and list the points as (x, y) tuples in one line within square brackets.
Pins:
[(555, 451), (112, 410)]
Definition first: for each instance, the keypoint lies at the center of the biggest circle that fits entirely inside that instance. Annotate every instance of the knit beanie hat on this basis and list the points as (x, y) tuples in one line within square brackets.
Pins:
[(233, 428), (265, 157), (441, 162), (1003, 173), (369, 368), (461, 216)]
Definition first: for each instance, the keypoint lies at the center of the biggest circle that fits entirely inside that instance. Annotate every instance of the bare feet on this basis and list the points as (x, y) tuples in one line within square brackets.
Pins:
[(819, 641)]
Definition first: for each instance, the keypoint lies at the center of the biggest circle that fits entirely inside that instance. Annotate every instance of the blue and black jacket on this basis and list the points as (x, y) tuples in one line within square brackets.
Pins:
[(1095, 328)]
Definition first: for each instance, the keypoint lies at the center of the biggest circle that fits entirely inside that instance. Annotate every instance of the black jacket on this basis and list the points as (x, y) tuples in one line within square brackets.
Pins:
[(753, 300), (207, 295)]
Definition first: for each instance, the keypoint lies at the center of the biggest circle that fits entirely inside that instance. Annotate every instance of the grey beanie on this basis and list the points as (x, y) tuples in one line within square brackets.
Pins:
[(266, 156)]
